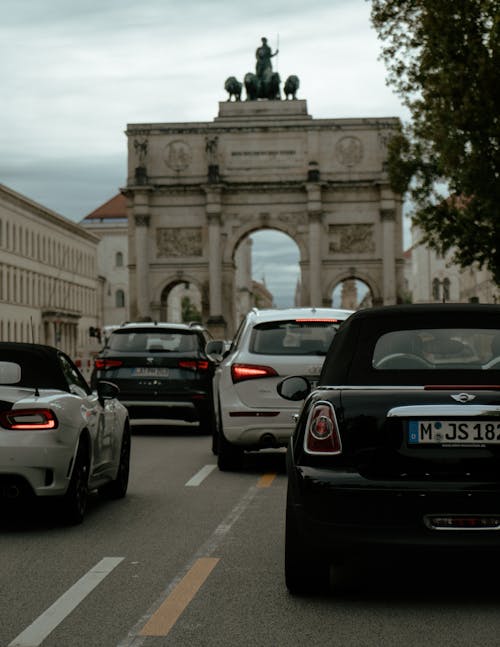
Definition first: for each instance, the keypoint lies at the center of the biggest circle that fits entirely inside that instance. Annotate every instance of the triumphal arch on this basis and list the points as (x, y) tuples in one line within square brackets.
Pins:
[(195, 190)]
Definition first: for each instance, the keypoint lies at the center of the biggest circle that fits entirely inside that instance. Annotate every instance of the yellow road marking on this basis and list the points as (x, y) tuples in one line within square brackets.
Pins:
[(162, 621), (266, 480)]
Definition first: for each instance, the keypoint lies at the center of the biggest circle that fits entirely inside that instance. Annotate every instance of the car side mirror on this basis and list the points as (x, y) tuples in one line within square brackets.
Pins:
[(215, 349), (107, 391), (294, 388)]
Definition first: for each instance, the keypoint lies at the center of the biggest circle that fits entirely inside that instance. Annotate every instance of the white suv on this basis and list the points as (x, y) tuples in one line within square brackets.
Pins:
[(268, 346)]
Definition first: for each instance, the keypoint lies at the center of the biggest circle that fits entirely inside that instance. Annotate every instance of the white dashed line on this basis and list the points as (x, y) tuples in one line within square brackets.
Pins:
[(36, 633), (200, 476)]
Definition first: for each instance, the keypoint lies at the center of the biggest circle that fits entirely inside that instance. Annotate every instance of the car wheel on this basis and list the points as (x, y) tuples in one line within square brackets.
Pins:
[(117, 488), (229, 457), (304, 572), (74, 502)]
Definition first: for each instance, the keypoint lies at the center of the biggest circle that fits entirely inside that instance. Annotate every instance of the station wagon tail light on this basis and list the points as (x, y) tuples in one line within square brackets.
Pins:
[(322, 431), (28, 419), (103, 364), (194, 364), (241, 372)]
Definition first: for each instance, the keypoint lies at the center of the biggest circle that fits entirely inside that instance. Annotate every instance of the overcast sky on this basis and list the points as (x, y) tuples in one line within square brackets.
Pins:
[(75, 73)]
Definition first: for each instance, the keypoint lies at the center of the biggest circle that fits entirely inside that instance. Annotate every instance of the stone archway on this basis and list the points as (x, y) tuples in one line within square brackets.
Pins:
[(197, 189)]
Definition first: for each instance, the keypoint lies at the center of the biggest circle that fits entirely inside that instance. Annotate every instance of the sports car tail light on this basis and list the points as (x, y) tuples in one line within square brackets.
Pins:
[(28, 419), (194, 364), (241, 372), (103, 364), (322, 431)]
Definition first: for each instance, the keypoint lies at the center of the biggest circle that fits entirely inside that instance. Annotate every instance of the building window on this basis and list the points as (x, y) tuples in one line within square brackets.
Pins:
[(119, 259), (120, 299)]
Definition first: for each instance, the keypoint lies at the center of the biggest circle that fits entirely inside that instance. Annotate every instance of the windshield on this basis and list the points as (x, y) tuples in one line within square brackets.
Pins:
[(296, 337)]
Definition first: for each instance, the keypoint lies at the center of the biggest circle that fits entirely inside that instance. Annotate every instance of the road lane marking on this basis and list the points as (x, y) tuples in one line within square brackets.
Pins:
[(266, 480), (169, 612), (134, 637), (200, 476), (36, 633)]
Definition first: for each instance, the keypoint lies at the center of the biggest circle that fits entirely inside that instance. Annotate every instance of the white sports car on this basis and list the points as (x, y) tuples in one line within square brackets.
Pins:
[(58, 438)]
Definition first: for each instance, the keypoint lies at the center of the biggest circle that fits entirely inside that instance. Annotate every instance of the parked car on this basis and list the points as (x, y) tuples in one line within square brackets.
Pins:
[(269, 345), (398, 446), (162, 371), (57, 437)]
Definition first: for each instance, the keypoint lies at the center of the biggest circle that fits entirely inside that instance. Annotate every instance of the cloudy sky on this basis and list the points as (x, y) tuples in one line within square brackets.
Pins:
[(75, 73)]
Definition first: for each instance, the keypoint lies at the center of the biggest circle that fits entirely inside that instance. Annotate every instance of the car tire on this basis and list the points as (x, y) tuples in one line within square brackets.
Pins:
[(304, 574), (74, 502), (229, 457), (117, 488)]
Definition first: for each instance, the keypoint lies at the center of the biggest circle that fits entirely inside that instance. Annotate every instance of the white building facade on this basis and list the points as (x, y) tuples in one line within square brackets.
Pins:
[(48, 286)]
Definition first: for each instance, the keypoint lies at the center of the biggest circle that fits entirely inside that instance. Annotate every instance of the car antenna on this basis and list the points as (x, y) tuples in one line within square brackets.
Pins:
[(37, 392)]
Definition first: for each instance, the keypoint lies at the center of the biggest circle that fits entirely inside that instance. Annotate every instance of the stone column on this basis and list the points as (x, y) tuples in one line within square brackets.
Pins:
[(388, 220), (314, 210), (142, 219), (213, 210)]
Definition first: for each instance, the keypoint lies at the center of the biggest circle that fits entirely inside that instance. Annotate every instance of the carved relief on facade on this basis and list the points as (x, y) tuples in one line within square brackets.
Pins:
[(185, 241), (349, 151), (351, 239), (177, 155)]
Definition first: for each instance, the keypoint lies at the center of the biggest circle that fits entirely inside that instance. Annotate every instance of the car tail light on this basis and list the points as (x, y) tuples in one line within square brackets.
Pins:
[(241, 372), (194, 364), (28, 419), (316, 320), (322, 431), (103, 364)]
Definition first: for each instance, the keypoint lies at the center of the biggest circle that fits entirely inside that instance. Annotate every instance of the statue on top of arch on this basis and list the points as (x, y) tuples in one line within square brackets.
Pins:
[(265, 83)]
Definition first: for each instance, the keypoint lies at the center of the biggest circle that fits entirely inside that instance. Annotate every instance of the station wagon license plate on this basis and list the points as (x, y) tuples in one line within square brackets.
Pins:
[(456, 432), (150, 371)]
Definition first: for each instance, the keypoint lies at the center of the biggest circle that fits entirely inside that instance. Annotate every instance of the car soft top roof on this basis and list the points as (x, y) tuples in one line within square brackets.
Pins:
[(348, 361), (40, 366)]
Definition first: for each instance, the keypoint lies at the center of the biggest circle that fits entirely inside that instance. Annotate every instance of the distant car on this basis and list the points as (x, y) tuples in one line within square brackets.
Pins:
[(162, 371), (398, 446), (269, 345), (57, 437)]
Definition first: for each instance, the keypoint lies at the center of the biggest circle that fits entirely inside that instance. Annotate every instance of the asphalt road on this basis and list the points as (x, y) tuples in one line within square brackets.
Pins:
[(194, 557)]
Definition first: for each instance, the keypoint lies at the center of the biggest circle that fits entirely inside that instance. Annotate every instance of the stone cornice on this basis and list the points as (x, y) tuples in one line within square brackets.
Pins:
[(33, 208)]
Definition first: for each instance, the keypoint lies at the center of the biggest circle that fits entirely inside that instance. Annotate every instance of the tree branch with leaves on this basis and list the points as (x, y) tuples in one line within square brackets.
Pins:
[(443, 59)]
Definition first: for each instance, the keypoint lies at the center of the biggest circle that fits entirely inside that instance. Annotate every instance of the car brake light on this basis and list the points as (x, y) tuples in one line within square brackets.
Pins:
[(322, 431), (317, 320), (28, 419), (103, 364), (241, 372), (194, 364)]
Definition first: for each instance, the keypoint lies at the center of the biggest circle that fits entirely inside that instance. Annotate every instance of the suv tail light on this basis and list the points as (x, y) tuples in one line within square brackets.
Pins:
[(322, 431), (194, 364), (28, 419), (241, 372), (103, 364)]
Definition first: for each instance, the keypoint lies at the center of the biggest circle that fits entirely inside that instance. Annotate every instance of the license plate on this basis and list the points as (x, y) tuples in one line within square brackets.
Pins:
[(456, 432), (150, 371)]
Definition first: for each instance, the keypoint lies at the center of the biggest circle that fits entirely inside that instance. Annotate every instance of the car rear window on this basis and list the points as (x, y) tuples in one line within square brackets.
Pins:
[(151, 341), (293, 337), (461, 348)]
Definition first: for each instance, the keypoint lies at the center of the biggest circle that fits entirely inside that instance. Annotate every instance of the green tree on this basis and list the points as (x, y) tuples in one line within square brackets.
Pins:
[(189, 311), (443, 59)]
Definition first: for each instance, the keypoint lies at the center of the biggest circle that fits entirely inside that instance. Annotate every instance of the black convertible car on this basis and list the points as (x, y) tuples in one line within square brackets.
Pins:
[(399, 444)]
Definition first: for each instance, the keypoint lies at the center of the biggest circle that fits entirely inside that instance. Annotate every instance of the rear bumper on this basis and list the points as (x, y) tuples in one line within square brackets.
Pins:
[(344, 511), (168, 409)]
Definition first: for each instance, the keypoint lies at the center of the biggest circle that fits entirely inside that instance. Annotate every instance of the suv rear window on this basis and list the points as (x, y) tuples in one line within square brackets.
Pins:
[(295, 337), (156, 340)]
